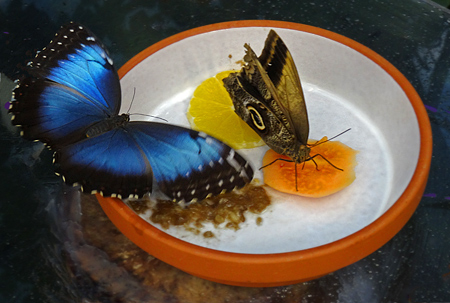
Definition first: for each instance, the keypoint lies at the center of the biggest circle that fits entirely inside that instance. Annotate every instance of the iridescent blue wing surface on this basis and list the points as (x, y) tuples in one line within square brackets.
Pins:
[(187, 165), (72, 84), (71, 100)]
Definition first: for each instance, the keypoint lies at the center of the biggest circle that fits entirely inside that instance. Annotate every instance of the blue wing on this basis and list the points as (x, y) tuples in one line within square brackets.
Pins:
[(71, 102), (72, 85), (186, 164)]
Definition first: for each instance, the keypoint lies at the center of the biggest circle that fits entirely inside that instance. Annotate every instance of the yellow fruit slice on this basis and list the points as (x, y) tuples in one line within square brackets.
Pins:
[(211, 111), (312, 182)]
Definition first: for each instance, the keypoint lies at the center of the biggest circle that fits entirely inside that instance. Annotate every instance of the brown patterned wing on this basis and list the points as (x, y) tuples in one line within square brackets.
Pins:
[(279, 65), (267, 95)]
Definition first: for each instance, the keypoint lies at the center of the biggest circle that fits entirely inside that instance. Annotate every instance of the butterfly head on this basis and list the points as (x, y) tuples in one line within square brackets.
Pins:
[(301, 153)]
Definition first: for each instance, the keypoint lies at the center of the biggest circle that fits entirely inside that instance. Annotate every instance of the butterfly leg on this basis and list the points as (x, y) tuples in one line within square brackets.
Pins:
[(287, 160), (281, 159), (312, 159)]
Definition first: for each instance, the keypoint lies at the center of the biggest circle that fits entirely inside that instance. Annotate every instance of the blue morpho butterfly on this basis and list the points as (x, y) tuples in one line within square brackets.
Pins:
[(70, 101)]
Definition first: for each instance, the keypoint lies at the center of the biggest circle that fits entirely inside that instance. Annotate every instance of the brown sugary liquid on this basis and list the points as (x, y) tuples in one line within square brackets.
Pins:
[(228, 209)]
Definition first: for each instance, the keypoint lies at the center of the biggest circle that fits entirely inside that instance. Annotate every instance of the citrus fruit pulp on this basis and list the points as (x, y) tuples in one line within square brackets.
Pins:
[(211, 111)]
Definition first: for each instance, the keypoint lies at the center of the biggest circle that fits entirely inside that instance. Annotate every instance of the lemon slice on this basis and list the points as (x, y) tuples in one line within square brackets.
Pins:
[(211, 111)]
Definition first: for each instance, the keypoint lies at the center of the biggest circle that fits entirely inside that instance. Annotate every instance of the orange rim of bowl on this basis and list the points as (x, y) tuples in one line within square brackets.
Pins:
[(290, 267)]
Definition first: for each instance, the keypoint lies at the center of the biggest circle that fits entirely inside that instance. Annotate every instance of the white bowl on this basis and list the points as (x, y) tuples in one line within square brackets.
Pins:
[(346, 85)]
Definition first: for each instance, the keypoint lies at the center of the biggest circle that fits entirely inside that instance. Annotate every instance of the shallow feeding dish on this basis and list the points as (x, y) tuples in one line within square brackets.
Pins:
[(346, 85)]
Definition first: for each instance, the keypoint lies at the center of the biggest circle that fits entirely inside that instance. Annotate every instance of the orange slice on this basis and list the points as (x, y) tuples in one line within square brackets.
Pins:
[(211, 111), (312, 182)]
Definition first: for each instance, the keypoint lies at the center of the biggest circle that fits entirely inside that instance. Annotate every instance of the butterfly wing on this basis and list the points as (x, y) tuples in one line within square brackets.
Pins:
[(71, 100), (110, 163), (72, 84), (279, 65), (267, 95), (186, 164), (255, 105)]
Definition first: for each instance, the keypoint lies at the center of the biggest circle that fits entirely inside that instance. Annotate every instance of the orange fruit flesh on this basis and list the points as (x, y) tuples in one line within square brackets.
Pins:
[(211, 111), (311, 181)]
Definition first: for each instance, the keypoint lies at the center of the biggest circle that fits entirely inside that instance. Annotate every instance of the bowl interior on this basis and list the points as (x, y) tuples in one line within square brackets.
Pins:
[(343, 89)]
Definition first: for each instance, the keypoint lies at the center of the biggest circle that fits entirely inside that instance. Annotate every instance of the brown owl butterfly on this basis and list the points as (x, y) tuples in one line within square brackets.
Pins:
[(268, 96)]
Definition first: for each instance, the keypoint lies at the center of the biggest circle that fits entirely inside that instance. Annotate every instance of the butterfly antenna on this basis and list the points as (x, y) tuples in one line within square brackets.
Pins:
[(138, 114), (132, 100), (156, 117), (314, 145)]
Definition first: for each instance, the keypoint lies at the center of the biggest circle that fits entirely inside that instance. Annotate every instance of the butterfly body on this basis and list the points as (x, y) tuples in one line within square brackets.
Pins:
[(107, 125), (71, 101), (268, 96)]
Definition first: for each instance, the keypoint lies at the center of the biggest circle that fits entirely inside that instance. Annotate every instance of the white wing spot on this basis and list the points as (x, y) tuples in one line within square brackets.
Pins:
[(207, 186), (220, 183), (232, 179), (116, 196), (200, 167), (90, 39), (182, 203), (211, 163), (230, 155), (192, 191)]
